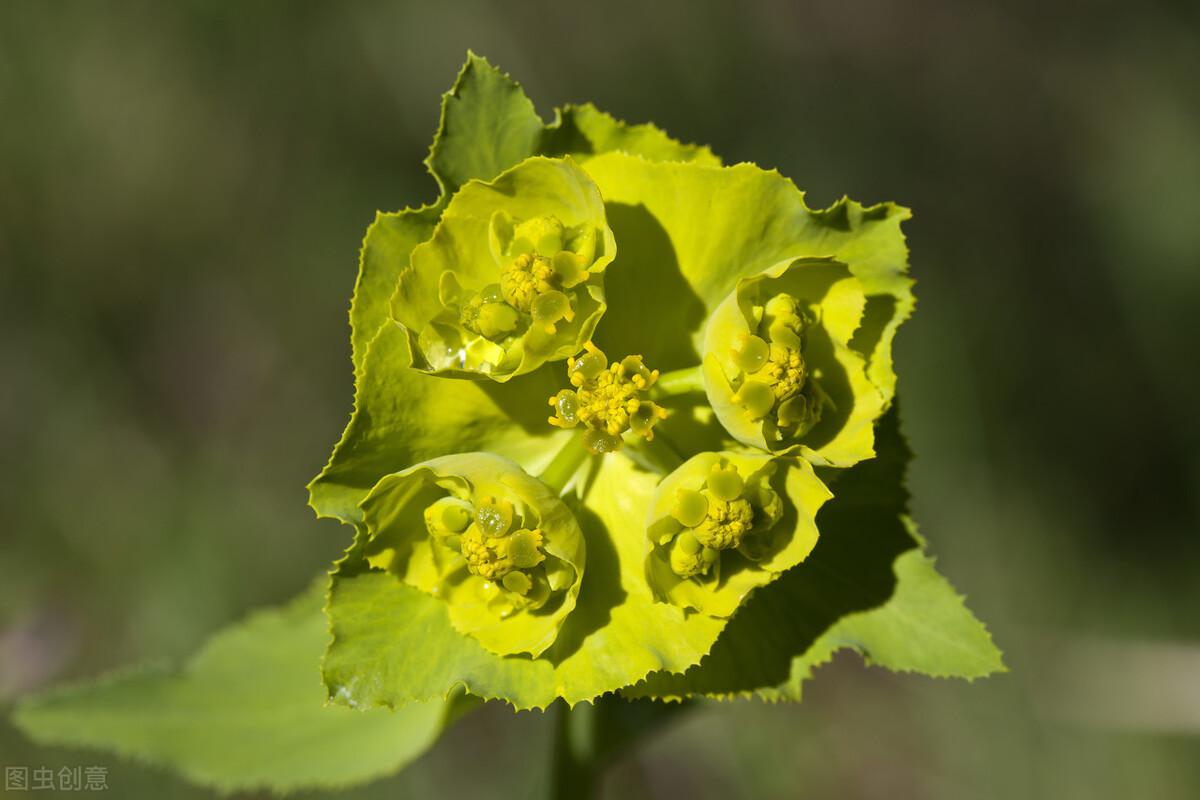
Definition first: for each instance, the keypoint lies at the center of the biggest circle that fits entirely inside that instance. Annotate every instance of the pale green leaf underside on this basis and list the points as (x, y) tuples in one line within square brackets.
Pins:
[(866, 586), (246, 712), (393, 644)]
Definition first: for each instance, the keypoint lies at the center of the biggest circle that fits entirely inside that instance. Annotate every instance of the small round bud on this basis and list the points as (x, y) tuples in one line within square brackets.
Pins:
[(724, 483), (689, 544), (448, 515), (523, 549), (517, 582), (497, 319), (690, 509), (566, 409), (600, 442), (588, 366), (750, 352), (756, 398), (494, 516)]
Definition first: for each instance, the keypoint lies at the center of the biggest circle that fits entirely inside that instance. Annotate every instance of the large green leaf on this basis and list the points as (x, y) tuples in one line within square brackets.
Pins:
[(867, 586), (246, 712), (394, 644), (687, 233)]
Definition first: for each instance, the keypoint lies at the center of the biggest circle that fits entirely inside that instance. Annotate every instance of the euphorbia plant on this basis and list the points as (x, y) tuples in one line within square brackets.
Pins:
[(625, 427)]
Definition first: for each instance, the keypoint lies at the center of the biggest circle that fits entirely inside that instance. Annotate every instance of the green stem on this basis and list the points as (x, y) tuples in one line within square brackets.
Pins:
[(565, 464), (575, 771), (657, 453), (679, 381)]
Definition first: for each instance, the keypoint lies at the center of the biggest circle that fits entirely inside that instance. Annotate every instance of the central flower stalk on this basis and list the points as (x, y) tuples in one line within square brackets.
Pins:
[(608, 399)]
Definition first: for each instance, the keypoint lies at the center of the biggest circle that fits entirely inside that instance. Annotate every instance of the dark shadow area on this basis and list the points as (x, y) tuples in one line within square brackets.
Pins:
[(849, 570), (833, 381), (880, 311), (652, 310), (600, 592), (524, 399)]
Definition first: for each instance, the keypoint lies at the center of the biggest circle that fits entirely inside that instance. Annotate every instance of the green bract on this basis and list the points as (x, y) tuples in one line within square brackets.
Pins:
[(724, 524), (778, 367), (512, 276), (496, 545)]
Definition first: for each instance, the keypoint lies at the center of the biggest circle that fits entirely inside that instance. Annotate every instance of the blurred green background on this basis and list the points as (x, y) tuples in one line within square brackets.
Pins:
[(183, 190)]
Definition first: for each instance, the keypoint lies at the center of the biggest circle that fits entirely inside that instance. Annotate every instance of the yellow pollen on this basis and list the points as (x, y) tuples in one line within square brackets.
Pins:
[(608, 398), (526, 278), (785, 371)]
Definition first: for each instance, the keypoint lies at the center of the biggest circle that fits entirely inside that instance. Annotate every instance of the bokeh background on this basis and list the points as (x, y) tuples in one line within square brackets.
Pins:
[(183, 190)]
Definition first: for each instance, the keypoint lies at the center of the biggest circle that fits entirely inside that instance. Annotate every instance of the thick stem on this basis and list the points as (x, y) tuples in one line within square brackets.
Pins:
[(565, 464), (679, 381), (575, 771)]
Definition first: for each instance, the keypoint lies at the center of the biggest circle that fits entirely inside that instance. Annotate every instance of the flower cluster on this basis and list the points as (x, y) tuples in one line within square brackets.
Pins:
[(608, 400), (616, 540)]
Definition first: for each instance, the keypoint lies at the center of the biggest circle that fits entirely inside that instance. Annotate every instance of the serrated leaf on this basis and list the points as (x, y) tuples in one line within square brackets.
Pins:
[(866, 586), (583, 131), (246, 712), (487, 126), (385, 250), (388, 635)]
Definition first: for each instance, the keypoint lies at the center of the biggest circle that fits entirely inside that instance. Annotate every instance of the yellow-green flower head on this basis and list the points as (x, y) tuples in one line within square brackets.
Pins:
[(512, 276), (778, 367), (608, 399), (719, 526), (497, 545)]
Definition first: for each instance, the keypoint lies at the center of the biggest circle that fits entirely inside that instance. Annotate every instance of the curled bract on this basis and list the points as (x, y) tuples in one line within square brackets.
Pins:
[(512, 276), (607, 399), (778, 367), (723, 524), (496, 544)]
